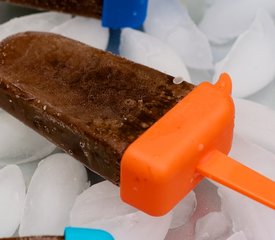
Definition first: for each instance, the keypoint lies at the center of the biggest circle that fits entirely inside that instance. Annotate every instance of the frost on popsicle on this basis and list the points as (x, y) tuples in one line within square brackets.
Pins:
[(254, 219), (150, 51), (12, 196), (250, 61), (184, 210), (169, 21), (225, 20), (20, 144), (100, 207), (213, 226), (34, 22), (255, 123), (86, 30), (51, 194)]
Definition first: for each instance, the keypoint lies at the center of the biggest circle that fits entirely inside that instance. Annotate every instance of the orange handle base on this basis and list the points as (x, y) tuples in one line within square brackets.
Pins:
[(227, 171)]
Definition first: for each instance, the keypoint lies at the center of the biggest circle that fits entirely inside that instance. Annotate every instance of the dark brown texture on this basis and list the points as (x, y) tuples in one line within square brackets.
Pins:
[(89, 102), (35, 238), (89, 8)]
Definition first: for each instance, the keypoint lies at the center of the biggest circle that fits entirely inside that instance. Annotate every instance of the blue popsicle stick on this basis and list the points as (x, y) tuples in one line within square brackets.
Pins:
[(124, 13), (72, 233)]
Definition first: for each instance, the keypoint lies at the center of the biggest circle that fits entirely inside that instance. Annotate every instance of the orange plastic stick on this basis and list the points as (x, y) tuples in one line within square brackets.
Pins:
[(232, 174), (191, 141)]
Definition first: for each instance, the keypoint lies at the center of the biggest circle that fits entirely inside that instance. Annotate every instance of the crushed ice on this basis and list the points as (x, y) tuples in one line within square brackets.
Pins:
[(169, 21), (12, 196), (53, 189), (152, 52), (100, 207), (250, 61), (20, 144)]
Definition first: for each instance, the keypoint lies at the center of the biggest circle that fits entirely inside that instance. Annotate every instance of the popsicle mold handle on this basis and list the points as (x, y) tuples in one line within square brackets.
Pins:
[(160, 167), (190, 142), (124, 13), (72, 233)]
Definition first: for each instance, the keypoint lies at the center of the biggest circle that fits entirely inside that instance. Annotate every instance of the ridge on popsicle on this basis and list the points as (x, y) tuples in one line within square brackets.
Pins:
[(138, 115)]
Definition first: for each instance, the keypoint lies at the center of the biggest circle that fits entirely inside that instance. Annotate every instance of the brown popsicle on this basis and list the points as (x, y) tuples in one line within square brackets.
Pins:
[(36, 238), (88, 8), (89, 102)]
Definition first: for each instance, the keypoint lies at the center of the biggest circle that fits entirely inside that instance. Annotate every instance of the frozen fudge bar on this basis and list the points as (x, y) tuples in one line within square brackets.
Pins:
[(88, 102), (89, 8), (36, 238)]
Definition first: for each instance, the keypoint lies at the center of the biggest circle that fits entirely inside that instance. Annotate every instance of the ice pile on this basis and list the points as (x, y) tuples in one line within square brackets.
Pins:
[(86, 30), (12, 196), (100, 207), (170, 22), (184, 210), (213, 226), (53, 189), (19, 144), (35, 22), (225, 20), (250, 61), (150, 51)]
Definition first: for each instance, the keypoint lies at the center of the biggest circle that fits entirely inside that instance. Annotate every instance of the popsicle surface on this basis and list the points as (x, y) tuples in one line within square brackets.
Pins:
[(90, 8)]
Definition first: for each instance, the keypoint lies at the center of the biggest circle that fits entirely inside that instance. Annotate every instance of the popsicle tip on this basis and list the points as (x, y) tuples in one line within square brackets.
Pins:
[(225, 83)]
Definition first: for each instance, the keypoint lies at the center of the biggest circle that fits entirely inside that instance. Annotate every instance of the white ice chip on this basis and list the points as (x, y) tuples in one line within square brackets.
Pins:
[(86, 30), (184, 210), (100, 207), (34, 22), (255, 123), (213, 226), (51, 194), (150, 51), (225, 20), (12, 196), (250, 61), (20, 144), (170, 22)]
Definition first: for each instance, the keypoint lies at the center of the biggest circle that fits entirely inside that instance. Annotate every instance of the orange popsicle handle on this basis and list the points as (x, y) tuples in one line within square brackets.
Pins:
[(225, 170)]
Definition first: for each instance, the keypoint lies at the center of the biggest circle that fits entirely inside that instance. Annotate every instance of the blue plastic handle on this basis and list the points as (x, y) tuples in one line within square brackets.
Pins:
[(72, 233), (124, 13)]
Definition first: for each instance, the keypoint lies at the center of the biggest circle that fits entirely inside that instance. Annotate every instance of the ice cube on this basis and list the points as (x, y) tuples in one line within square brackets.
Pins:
[(150, 51), (254, 219), (86, 30), (100, 207), (225, 20), (253, 156), (53, 189), (255, 123), (237, 236), (169, 21), (12, 196), (34, 22), (250, 61), (184, 210), (213, 226), (28, 170), (20, 144), (266, 96)]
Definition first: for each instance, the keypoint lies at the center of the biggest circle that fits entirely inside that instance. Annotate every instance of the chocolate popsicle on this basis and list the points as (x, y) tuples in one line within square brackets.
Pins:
[(36, 238), (89, 102), (88, 8)]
